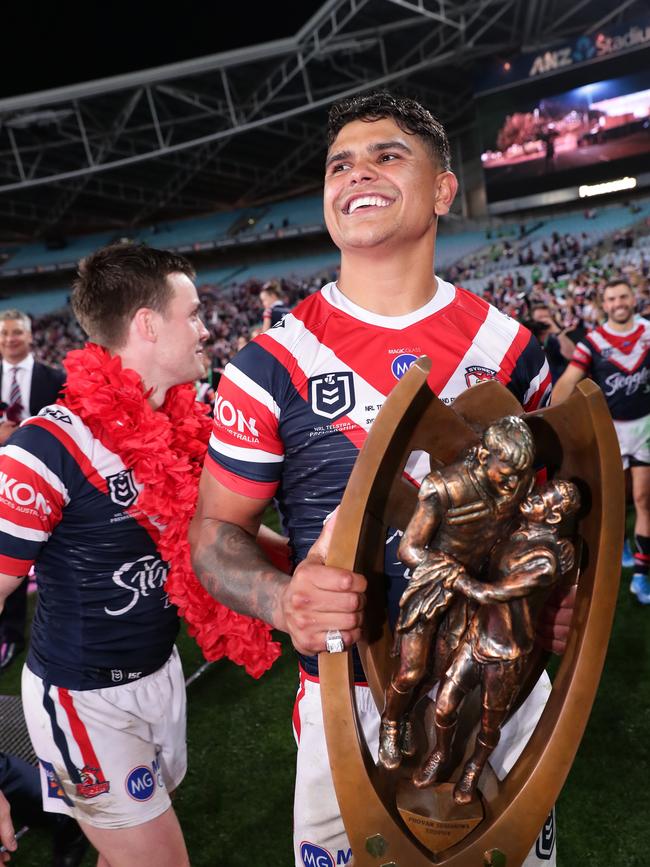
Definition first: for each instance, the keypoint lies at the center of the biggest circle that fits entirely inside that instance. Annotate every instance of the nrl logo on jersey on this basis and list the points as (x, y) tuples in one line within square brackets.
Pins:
[(332, 394), (476, 373), (122, 489)]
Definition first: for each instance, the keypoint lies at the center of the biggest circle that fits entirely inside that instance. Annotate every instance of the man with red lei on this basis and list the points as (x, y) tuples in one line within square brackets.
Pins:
[(97, 492)]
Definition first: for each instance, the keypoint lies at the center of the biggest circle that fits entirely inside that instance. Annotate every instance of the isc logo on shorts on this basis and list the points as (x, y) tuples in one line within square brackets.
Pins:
[(140, 783)]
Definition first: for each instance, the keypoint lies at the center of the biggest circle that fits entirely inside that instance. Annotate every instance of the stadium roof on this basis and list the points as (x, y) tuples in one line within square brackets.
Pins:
[(246, 126)]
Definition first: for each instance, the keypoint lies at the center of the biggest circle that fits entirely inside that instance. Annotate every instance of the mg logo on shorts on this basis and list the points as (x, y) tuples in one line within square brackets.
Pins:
[(546, 840), (140, 783), (332, 395), (315, 856), (122, 488)]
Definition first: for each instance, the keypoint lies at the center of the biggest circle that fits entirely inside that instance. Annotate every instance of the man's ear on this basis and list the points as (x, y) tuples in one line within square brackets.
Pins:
[(482, 455), (445, 193), (145, 322)]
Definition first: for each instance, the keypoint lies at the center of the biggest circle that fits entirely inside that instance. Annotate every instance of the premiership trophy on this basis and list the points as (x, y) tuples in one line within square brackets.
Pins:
[(514, 507)]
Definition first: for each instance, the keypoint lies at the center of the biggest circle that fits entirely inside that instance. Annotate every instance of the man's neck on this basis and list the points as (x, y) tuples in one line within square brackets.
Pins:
[(144, 369), (386, 282), (621, 327)]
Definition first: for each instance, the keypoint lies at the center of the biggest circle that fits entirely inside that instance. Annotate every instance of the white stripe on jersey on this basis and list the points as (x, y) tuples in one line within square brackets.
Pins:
[(252, 388), (29, 460), (444, 295), (322, 358), (418, 466), (20, 532), (238, 453), (536, 383), (103, 461), (488, 342)]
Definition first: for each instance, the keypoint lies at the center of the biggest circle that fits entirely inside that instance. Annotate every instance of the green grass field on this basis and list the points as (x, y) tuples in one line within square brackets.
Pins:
[(235, 803)]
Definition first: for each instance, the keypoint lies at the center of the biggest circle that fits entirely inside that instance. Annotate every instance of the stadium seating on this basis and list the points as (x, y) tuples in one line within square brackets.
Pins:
[(302, 266), (40, 256), (293, 213)]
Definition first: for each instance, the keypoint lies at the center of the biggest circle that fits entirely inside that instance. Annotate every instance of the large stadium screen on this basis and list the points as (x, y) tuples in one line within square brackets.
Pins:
[(538, 138)]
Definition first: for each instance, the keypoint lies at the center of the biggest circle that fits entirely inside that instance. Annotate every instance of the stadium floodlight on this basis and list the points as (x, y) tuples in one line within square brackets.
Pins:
[(588, 190)]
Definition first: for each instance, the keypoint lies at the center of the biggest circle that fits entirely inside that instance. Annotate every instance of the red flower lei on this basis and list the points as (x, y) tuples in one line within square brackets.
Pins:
[(165, 449)]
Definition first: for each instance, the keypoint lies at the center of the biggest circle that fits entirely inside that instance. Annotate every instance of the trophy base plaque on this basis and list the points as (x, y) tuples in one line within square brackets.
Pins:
[(434, 818)]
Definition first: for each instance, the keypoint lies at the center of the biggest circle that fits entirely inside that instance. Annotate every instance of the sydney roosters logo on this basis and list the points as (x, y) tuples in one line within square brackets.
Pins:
[(476, 373), (92, 783)]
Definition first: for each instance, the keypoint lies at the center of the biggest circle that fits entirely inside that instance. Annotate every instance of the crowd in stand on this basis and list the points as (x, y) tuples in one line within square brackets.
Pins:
[(232, 314), (564, 280)]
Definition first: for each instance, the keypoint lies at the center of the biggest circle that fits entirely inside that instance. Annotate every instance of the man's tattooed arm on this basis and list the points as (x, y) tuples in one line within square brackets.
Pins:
[(232, 567), (229, 557)]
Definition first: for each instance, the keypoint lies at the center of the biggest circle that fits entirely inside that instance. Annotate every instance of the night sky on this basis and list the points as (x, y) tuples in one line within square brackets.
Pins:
[(51, 44)]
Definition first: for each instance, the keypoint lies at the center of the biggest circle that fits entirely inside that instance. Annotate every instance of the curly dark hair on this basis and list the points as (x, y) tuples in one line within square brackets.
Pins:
[(409, 115)]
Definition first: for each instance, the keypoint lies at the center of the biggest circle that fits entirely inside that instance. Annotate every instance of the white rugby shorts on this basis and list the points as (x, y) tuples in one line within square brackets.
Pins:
[(319, 835), (634, 440), (109, 756)]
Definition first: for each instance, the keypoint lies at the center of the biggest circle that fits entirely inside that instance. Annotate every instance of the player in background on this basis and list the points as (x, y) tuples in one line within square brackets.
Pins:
[(616, 355), (275, 306)]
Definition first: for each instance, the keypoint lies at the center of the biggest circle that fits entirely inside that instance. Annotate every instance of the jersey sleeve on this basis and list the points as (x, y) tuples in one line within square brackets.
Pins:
[(530, 381), (32, 496), (246, 452), (581, 357)]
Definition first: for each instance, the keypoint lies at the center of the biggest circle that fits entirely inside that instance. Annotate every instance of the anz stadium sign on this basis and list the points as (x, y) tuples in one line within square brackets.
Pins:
[(589, 48), (609, 42)]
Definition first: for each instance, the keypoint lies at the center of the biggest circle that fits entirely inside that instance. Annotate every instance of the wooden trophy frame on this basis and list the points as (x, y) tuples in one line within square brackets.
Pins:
[(576, 441)]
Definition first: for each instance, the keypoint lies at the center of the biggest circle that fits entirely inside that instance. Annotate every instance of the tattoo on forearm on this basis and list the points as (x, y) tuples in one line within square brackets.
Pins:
[(233, 569)]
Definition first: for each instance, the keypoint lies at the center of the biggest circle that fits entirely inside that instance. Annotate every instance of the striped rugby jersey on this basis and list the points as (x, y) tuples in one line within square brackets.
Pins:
[(69, 506), (620, 364), (294, 406)]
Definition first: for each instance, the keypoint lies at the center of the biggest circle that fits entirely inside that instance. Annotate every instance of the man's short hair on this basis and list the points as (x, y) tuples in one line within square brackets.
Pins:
[(273, 288), (617, 281), (19, 316), (116, 281), (409, 115)]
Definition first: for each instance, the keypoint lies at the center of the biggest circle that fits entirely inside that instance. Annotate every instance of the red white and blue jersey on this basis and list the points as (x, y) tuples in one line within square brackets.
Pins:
[(295, 405), (620, 364), (69, 506)]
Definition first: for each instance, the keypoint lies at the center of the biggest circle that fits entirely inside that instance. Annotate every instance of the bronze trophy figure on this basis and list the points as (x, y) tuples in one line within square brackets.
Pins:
[(484, 549), (496, 646), (462, 512)]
